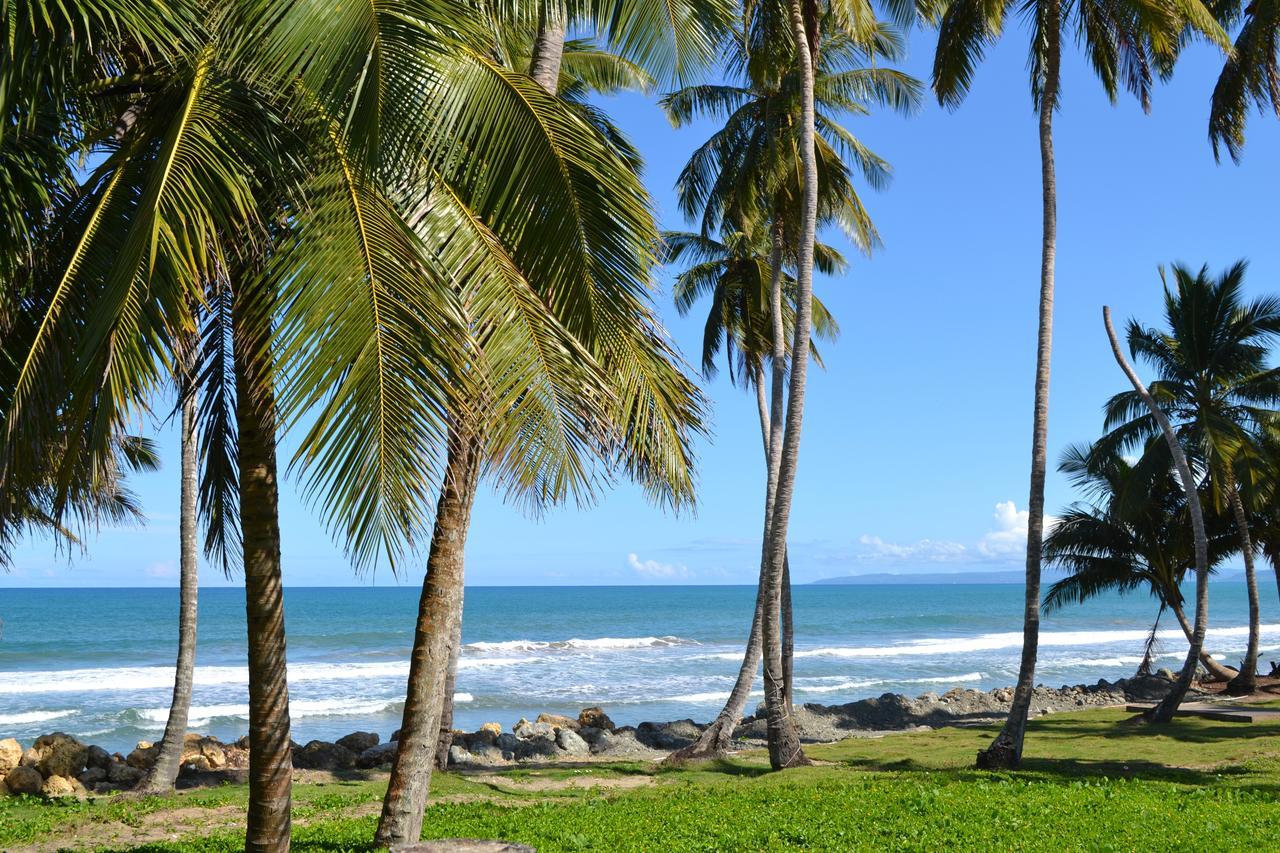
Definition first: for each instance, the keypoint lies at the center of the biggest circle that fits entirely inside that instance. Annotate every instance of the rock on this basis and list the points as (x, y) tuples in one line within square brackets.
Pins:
[(125, 775), (92, 776), (1167, 674), (97, 757), (395, 735), (30, 757), (377, 756), (60, 755), (459, 757), (526, 729), (596, 718), (144, 755), (24, 780), (538, 746), (672, 735), (201, 752), (322, 755), (494, 728), (508, 742), (10, 755), (358, 742), (590, 733), (571, 742), (4, 789), (620, 742), (61, 786), (558, 721)]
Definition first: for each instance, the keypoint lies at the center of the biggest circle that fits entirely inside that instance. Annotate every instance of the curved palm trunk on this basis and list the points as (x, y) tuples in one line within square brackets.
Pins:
[(788, 638), (164, 773), (439, 608), (1006, 750), (1246, 681), (784, 739), (1216, 670), (270, 757), (450, 686), (1163, 712)]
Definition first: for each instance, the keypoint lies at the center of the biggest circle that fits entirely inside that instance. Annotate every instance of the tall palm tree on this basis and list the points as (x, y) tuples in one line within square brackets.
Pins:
[(1118, 543), (628, 406), (1126, 43), (1250, 77), (746, 178), (1214, 385)]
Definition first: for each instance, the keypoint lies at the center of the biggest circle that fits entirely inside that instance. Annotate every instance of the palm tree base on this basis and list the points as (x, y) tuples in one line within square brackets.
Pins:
[(1001, 755), (1242, 685)]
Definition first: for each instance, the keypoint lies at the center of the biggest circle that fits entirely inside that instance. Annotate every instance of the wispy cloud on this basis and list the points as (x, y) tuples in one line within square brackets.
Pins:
[(1005, 541), (655, 569)]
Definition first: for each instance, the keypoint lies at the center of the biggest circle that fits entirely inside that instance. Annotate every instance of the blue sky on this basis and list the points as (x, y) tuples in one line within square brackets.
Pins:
[(916, 446)]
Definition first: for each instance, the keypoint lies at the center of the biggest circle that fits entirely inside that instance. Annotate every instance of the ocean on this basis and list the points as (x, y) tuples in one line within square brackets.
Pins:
[(97, 663)]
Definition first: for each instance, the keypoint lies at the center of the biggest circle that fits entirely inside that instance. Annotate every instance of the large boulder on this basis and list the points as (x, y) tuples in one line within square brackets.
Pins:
[(57, 786), (201, 752), (378, 756), (559, 721), (125, 775), (460, 757), (322, 755), (30, 757), (596, 718), (24, 780), (525, 729), (571, 742), (674, 735), (92, 776), (97, 757), (494, 729), (60, 755), (537, 747), (4, 789), (358, 742), (10, 755)]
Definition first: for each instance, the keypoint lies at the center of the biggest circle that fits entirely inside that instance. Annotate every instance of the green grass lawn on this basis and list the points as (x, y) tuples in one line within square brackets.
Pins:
[(1094, 780)]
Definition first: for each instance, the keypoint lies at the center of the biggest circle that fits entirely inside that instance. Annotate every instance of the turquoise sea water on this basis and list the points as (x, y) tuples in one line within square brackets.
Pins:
[(98, 662)]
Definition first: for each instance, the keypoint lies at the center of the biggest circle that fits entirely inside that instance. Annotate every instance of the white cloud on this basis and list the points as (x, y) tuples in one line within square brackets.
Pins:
[(927, 550), (1006, 541), (654, 569), (1009, 539), (162, 570)]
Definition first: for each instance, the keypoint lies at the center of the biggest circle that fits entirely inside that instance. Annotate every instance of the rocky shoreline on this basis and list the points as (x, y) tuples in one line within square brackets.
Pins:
[(59, 765)]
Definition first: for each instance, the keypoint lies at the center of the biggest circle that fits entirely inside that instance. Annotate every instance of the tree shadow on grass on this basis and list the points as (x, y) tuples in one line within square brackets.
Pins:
[(1200, 730)]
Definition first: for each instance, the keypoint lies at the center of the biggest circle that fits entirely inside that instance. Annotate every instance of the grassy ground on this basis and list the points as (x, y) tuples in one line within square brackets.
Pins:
[(1094, 780)]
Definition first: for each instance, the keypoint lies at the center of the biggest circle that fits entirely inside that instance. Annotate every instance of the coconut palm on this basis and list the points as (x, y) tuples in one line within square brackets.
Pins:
[(748, 172), (1250, 77), (1215, 387), (1118, 543), (1127, 43)]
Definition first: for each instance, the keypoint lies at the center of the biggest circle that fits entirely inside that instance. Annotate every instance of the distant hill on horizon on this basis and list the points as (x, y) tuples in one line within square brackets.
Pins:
[(1010, 576)]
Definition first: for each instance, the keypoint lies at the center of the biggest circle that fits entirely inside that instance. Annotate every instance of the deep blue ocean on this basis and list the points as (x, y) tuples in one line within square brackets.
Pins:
[(98, 662)]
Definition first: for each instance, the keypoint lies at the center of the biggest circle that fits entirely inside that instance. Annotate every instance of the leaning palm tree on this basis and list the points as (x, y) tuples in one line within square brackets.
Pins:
[(1215, 387), (735, 273), (1250, 77), (1116, 542), (1126, 43)]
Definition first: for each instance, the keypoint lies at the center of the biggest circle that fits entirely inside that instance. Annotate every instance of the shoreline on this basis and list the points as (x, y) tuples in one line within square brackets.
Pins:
[(58, 764)]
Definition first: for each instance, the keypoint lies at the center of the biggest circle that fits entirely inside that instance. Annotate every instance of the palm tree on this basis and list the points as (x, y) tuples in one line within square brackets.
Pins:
[(164, 773), (745, 179), (1124, 42), (735, 272), (1120, 543), (1214, 385), (1250, 76)]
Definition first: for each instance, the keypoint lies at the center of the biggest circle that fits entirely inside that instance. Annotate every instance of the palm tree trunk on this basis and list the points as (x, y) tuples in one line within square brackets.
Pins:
[(788, 638), (1163, 712), (784, 739), (439, 608), (1246, 681), (450, 685), (1216, 670), (548, 46), (1006, 750), (270, 757), (164, 773)]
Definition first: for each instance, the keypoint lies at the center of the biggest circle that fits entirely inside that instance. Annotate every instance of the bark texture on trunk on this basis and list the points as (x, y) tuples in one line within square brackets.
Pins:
[(1246, 681), (788, 637), (450, 683), (164, 773), (270, 756), (784, 739), (439, 608), (548, 47), (1006, 750), (1216, 670), (1163, 712)]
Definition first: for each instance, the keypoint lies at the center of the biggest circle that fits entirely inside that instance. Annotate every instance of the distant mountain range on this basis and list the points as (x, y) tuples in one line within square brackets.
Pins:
[(1006, 576)]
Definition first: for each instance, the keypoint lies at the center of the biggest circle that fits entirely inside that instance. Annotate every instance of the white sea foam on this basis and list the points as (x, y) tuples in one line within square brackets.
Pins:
[(463, 697), (858, 684), (576, 644), (28, 717), (1013, 639), (698, 698), (298, 708)]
